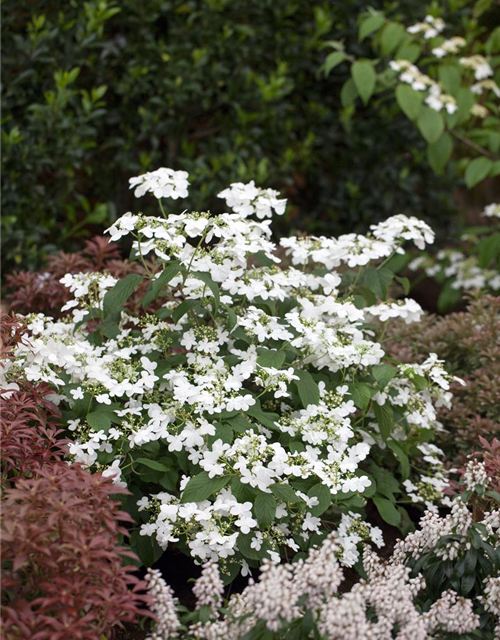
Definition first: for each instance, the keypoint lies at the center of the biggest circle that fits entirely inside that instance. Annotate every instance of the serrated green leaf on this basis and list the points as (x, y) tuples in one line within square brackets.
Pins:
[(214, 288), (384, 415), (378, 280), (403, 459), (270, 358), (201, 487), (370, 24), (387, 510), (440, 152), (430, 124), (155, 286), (476, 171), (361, 394), (265, 509), (324, 496), (307, 388), (116, 297), (383, 374), (99, 420), (152, 464), (392, 35), (365, 78), (409, 100)]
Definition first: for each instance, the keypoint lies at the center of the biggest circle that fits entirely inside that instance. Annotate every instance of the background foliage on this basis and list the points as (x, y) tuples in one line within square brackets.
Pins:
[(96, 92)]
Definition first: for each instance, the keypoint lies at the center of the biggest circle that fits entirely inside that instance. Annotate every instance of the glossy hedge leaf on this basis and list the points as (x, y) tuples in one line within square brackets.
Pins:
[(385, 419), (387, 510), (155, 286), (214, 288), (370, 25), (440, 152), (364, 77), (476, 171), (201, 487), (116, 297), (430, 124), (307, 388), (265, 509), (409, 100), (271, 358)]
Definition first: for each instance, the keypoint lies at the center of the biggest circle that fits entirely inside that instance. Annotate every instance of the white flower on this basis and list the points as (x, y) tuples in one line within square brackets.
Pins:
[(162, 183)]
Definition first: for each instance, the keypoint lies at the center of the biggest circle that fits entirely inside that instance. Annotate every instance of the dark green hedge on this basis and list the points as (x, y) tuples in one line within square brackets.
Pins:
[(227, 89)]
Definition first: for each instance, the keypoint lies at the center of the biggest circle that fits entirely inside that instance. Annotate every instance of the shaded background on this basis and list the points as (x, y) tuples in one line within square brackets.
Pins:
[(96, 92)]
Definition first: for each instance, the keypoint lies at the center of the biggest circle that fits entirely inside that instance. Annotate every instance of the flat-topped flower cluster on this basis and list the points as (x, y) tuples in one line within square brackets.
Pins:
[(251, 393)]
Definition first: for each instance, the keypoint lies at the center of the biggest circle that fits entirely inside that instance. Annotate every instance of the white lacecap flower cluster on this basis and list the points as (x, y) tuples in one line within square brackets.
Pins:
[(247, 200), (436, 98), (479, 65), (492, 210), (162, 183), (430, 27), (451, 46), (193, 380)]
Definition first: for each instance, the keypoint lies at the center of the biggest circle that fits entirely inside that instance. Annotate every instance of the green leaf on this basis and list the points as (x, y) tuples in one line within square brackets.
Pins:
[(385, 418), (440, 152), (409, 52), (476, 171), (264, 417), (392, 35), (152, 464), (364, 77), (348, 93), (270, 358), (409, 100), (383, 374), (361, 394), (387, 510), (116, 297), (155, 286), (332, 60), (265, 509), (378, 280), (99, 420), (403, 460), (449, 76), (405, 283), (201, 487), (370, 25), (285, 493), (430, 124), (148, 550), (488, 249), (307, 388), (324, 496), (214, 288)]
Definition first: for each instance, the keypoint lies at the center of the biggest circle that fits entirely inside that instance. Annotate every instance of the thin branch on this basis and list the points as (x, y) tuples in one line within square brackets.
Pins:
[(473, 145)]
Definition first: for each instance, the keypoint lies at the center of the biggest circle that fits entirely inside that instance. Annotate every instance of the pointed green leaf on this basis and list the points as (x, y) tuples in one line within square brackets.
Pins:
[(430, 124), (364, 77), (116, 297), (409, 100)]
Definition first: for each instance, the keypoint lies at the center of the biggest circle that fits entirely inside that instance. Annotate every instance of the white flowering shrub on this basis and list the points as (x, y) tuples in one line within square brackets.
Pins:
[(444, 82), (473, 267), (251, 394), (443, 581)]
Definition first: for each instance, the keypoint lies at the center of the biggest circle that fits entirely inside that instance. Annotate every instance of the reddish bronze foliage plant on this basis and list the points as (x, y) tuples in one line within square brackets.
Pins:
[(63, 575)]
